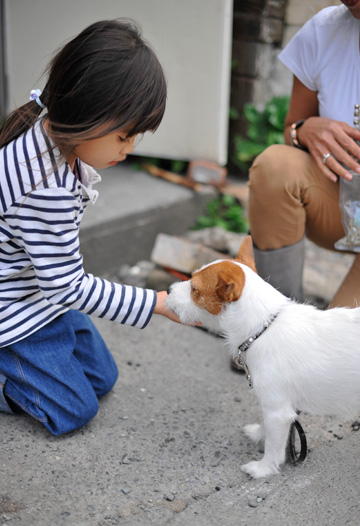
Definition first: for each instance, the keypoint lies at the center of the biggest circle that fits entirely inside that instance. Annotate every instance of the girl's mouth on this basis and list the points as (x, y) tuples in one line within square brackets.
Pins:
[(119, 161)]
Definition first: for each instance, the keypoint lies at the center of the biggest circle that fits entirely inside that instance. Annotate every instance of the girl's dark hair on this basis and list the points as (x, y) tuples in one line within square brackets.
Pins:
[(106, 77)]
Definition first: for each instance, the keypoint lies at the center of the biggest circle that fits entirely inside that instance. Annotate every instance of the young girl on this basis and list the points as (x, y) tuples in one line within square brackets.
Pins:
[(104, 87)]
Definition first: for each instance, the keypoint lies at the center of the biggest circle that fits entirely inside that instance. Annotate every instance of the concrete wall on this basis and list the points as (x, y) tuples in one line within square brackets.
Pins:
[(191, 37)]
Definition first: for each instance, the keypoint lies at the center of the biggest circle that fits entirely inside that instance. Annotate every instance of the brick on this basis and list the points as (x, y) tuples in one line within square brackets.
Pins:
[(241, 92), (297, 13), (271, 30), (244, 56), (252, 59), (246, 27), (182, 255), (249, 6), (275, 8), (260, 29)]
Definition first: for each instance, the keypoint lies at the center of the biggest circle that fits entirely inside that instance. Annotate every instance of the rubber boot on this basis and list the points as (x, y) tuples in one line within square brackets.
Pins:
[(283, 268)]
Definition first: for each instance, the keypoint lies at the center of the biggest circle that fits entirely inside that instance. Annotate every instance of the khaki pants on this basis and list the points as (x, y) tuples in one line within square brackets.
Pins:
[(290, 198)]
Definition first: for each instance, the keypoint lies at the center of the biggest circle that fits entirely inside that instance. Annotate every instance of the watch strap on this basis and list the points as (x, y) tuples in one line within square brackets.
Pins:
[(293, 134)]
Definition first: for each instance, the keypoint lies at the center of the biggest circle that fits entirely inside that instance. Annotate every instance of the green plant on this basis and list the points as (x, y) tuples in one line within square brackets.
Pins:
[(172, 165), (264, 128), (224, 211)]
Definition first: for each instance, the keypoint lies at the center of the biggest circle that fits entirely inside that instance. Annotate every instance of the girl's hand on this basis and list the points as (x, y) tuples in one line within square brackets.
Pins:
[(160, 308), (321, 136)]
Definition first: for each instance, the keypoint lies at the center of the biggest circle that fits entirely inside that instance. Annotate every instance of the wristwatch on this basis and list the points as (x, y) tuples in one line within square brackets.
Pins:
[(293, 134)]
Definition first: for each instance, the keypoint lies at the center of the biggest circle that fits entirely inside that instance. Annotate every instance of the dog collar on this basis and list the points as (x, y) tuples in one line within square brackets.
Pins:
[(239, 360)]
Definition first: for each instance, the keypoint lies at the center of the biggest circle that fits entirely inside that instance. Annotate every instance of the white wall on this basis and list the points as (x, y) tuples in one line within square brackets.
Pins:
[(192, 39)]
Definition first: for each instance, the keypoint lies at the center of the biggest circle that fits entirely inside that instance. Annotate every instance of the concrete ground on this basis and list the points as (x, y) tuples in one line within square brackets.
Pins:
[(167, 444)]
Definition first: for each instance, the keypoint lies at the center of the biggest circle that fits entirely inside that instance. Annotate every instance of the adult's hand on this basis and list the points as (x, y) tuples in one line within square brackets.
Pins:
[(321, 136)]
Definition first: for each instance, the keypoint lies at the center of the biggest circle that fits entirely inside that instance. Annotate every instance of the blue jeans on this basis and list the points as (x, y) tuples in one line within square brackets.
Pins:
[(57, 374)]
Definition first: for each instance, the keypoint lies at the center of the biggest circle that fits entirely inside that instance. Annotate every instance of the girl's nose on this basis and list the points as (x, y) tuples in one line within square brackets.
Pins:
[(130, 145)]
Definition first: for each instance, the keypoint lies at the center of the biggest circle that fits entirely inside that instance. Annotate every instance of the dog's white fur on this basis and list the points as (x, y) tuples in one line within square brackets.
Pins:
[(307, 360)]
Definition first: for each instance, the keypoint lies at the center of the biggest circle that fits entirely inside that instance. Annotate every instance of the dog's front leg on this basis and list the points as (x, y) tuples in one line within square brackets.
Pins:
[(276, 427)]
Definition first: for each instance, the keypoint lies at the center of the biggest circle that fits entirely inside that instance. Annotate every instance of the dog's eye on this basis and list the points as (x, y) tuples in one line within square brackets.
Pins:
[(194, 291)]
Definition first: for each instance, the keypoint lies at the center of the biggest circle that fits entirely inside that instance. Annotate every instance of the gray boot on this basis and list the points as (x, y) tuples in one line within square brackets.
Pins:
[(283, 268)]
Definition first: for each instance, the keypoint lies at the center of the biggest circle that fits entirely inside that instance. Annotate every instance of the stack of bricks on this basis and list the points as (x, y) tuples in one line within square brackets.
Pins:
[(261, 29), (258, 29)]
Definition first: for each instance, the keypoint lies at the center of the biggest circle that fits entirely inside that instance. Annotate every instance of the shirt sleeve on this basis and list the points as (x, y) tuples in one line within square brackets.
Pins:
[(300, 55), (46, 225)]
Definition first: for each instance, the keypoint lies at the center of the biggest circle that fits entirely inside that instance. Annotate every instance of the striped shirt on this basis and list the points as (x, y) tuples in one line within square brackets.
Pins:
[(41, 268)]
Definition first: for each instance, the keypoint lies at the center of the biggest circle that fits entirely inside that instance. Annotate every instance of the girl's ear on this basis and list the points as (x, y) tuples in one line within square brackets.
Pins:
[(246, 253), (230, 285)]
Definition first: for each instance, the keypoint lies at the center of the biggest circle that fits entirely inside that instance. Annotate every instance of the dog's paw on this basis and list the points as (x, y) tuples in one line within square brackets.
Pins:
[(255, 432), (258, 469)]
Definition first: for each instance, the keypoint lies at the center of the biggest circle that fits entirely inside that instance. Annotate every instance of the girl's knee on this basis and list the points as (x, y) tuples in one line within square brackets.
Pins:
[(73, 416), (102, 382), (107, 383)]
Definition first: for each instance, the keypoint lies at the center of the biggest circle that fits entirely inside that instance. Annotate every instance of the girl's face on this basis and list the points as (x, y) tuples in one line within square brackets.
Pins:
[(104, 151), (353, 6)]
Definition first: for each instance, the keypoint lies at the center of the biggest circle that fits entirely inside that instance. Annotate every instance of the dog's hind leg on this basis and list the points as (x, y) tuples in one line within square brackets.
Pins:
[(276, 426)]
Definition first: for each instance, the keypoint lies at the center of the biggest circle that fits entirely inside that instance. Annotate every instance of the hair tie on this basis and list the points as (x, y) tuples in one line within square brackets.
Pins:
[(34, 95)]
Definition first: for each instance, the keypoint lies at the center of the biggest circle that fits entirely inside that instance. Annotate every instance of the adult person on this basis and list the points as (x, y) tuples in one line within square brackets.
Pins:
[(294, 188)]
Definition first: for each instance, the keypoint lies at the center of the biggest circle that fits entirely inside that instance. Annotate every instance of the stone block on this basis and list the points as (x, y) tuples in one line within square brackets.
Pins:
[(241, 92), (182, 255), (249, 6), (297, 13), (289, 33), (275, 8), (271, 30), (255, 28), (252, 59), (246, 26)]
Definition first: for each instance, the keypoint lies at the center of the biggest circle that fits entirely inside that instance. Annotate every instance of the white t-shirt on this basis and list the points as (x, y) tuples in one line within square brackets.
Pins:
[(324, 55)]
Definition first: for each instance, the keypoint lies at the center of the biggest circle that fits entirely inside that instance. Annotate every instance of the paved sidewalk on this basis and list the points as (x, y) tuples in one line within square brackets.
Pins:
[(167, 444)]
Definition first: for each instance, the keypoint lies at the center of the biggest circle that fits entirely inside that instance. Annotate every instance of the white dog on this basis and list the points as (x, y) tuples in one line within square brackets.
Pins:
[(299, 358)]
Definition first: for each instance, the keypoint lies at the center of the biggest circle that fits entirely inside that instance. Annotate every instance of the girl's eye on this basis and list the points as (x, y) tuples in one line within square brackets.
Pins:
[(122, 139)]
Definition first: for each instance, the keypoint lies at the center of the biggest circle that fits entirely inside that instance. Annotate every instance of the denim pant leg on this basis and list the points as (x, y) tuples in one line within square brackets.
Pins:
[(50, 373), (4, 405), (91, 351)]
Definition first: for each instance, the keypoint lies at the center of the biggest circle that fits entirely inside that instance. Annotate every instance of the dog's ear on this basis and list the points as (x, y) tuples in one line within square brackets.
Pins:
[(230, 285), (246, 253)]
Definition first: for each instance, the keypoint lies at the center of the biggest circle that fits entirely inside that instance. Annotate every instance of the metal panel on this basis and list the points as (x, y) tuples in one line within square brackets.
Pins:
[(192, 39)]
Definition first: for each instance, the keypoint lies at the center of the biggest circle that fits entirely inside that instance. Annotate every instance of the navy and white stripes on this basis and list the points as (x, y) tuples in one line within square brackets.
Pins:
[(41, 270)]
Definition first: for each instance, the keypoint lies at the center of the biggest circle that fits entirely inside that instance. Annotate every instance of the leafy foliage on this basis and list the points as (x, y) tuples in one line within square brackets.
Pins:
[(264, 128), (172, 165), (224, 211)]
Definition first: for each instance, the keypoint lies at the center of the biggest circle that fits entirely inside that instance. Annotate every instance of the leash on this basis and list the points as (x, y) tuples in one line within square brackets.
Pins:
[(239, 361), (293, 454)]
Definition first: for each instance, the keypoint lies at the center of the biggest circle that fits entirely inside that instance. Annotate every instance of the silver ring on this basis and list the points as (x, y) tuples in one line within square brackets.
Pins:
[(325, 157)]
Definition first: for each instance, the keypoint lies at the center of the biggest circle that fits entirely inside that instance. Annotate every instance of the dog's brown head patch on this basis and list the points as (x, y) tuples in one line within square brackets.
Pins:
[(216, 285)]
